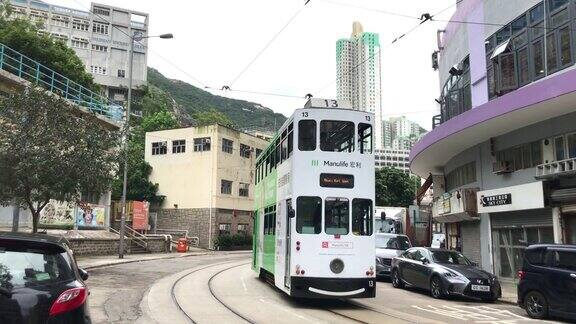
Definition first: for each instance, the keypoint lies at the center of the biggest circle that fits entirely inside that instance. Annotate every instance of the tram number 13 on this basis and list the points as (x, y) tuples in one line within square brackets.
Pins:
[(331, 103)]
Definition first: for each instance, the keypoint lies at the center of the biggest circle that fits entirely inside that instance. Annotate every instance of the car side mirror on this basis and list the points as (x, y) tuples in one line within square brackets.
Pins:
[(83, 274), (291, 213)]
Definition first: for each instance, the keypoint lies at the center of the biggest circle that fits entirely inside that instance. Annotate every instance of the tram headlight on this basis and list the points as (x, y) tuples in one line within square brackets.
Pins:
[(337, 266)]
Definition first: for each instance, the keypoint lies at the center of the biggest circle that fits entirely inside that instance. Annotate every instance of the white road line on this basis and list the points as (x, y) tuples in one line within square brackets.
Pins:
[(243, 284), (477, 314)]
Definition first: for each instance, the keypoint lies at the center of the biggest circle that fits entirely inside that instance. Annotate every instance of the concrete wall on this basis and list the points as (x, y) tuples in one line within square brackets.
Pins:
[(192, 180), (197, 222), (86, 247)]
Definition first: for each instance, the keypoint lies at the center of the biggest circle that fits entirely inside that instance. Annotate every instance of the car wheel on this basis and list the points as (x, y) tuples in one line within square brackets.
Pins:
[(536, 305), (396, 280), (436, 288)]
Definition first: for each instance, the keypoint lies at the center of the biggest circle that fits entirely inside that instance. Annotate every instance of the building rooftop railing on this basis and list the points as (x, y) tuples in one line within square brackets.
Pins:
[(38, 74)]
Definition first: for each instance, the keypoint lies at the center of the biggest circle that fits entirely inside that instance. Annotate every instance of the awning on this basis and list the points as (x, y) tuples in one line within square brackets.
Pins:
[(500, 49)]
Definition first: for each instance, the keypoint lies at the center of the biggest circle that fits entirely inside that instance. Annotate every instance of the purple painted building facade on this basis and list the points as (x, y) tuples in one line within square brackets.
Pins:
[(502, 153)]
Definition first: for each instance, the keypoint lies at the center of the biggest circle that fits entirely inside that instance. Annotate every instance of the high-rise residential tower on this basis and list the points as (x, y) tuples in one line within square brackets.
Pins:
[(358, 74)]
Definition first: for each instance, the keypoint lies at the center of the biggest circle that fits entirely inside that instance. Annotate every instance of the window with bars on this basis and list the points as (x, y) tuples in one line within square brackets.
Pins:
[(159, 148), (227, 146), (101, 11), (121, 73), (226, 187), (202, 144), (244, 151), (81, 25), (98, 70), (243, 229), (243, 189), (178, 146), (224, 228), (100, 28), (99, 48), (525, 156), (79, 44), (460, 176)]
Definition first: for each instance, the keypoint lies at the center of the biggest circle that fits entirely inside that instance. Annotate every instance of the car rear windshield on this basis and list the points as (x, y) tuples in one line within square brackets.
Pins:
[(392, 242), (450, 257), (34, 265)]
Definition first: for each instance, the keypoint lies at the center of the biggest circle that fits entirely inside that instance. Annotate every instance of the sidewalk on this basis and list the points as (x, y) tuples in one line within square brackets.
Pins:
[(509, 292), (93, 262)]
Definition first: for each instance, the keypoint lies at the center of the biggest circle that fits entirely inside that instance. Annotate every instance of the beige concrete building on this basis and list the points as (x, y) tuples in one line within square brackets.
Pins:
[(206, 174)]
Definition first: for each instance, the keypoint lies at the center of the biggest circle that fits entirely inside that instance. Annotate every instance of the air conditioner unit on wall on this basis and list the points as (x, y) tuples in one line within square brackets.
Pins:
[(501, 167)]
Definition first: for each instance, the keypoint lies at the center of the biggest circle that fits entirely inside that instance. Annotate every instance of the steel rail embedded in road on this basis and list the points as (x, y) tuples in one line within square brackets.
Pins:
[(173, 288), (220, 300)]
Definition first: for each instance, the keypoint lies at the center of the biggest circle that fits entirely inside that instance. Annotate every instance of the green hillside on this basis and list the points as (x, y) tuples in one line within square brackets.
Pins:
[(192, 100)]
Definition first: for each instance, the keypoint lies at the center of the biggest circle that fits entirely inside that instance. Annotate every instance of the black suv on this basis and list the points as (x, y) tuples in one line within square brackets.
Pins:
[(40, 281), (548, 281)]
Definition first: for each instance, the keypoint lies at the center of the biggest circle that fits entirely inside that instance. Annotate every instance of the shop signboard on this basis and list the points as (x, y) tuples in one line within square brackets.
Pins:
[(57, 213), (521, 197), (91, 215), (140, 215)]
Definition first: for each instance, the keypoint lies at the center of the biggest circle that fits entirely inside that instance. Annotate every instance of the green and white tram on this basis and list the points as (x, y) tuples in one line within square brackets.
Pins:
[(314, 205)]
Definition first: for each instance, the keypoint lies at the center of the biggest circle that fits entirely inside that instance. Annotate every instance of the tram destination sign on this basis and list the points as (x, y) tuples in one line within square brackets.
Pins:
[(496, 200), (332, 180)]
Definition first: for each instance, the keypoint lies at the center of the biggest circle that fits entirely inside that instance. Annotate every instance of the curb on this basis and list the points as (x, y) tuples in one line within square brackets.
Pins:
[(176, 256)]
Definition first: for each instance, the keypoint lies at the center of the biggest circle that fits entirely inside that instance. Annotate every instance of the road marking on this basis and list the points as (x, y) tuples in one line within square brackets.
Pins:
[(477, 314), (243, 284)]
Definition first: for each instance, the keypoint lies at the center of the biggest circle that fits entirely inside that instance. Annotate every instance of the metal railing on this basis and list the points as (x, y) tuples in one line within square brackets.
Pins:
[(30, 70), (137, 238), (556, 168), (436, 121)]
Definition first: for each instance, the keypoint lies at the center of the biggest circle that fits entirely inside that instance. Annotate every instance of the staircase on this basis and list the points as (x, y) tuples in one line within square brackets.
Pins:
[(136, 243)]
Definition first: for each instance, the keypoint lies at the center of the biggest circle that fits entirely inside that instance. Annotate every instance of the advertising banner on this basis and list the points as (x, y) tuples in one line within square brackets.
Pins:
[(91, 215), (57, 213), (140, 215)]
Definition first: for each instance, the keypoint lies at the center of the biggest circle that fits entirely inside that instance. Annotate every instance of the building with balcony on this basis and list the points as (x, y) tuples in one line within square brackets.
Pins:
[(358, 74), (207, 176), (502, 153), (100, 37)]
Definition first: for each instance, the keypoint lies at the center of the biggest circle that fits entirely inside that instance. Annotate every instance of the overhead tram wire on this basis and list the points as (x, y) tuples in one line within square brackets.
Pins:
[(385, 12), (425, 17), (204, 85), (268, 44)]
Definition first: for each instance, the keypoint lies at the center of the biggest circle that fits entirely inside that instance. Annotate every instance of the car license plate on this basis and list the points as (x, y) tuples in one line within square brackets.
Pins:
[(480, 288)]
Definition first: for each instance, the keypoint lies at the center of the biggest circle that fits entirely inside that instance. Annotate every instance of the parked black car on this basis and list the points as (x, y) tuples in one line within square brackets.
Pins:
[(40, 281), (389, 246), (547, 281), (444, 273)]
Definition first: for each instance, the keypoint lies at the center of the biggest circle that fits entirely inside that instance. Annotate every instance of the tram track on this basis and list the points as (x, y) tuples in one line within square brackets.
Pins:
[(179, 306)]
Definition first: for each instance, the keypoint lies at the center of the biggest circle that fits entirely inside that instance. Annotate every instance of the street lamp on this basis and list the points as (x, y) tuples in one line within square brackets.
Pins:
[(136, 37)]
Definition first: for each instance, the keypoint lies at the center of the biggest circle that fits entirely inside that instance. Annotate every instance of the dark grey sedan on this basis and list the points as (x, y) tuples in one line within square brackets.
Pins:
[(444, 273)]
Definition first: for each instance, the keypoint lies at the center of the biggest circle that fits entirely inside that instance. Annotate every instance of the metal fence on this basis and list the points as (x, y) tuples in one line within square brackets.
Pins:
[(36, 73)]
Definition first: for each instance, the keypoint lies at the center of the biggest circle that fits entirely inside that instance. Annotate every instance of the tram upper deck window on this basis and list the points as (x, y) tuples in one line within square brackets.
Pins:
[(309, 215), (336, 136), (362, 217), (365, 138), (337, 215), (307, 135)]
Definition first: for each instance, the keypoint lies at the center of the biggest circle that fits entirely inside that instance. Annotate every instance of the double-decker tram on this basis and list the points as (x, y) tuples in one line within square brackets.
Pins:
[(314, 204)]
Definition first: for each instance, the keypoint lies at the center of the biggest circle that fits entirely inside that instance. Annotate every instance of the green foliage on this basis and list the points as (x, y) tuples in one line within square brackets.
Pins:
[(151, 100), (205, 118), (395, 188), (49, 150), (139, 187), (225, 242), (23, 36), (194, 100)]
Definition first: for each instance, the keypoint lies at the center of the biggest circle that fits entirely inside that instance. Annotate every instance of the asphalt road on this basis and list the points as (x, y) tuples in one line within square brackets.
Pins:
[(221, 288)]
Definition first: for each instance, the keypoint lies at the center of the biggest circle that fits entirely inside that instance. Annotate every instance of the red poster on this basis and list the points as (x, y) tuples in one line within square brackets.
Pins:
[(140, 217)]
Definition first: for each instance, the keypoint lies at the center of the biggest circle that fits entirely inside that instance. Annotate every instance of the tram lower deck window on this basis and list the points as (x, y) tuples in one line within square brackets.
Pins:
[(309, 215), (337, 215), (336, 136), (362, 217)]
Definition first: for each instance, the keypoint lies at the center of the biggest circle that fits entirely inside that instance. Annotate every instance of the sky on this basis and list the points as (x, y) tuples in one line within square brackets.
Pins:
[(215, 40)]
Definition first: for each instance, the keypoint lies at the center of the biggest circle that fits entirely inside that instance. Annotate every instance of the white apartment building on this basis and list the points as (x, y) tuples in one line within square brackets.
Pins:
[(393, 158), (358, 74), (400, 133), (100, 37)]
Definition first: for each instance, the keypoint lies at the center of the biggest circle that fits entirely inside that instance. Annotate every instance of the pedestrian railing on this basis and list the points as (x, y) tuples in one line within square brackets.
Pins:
[(36, 73), (556, 168)]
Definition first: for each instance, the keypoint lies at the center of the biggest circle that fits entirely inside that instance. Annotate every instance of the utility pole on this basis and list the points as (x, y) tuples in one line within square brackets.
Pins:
[(136, 37), (15, 216)]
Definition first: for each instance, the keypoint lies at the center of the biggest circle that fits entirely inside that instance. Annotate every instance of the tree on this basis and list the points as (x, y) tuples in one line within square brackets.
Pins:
[(212, 116), (49, 149), (395, 188), (23, 36), (139, 187)]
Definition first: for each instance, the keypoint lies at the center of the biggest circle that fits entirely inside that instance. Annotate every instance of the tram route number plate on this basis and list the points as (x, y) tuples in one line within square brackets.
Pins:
[(480, 288), (337, 245)]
